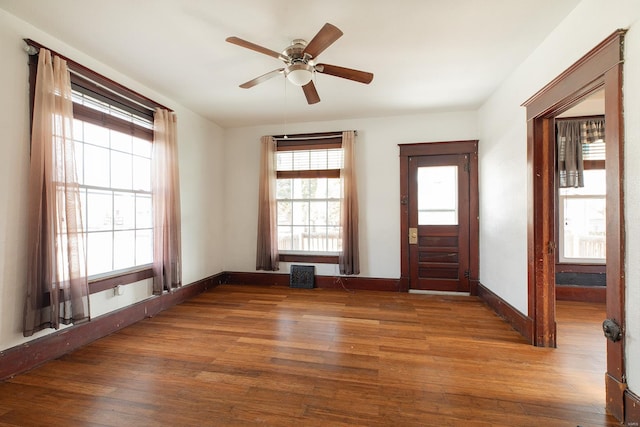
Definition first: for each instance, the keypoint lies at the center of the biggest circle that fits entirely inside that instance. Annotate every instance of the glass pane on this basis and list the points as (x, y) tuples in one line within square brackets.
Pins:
[(283, 188), (96, 166), (120, 141), (121, 170), (300, 213), (141, 173), (301, 188), (334, 188), (141, 147), (123, 211), (284, 213), (299, 239), (144, 247), (318, 188), (585, 228), (96, 135), (335, 158), (124, 244), (99, 210), (143, 211), (318, 213), (438, 195), (99, 252), (334, 244), (285, 241), (78, 133), (333, 213), (284, 160)]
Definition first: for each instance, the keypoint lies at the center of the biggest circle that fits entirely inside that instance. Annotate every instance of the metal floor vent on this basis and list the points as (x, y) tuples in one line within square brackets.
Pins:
[(302, 276)]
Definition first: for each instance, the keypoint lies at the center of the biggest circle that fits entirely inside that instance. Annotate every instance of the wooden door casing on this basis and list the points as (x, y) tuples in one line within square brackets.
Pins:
[(469, 147)]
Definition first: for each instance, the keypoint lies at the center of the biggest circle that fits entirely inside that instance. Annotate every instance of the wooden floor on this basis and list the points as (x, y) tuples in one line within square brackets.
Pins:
[(241, 355)]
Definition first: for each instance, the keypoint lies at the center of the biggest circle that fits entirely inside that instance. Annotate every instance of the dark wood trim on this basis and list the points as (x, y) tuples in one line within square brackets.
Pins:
[(102, 284), (521, 323), (309, 173), (615, 392), (581, 268), (87, 114), (328, 282), (577, 81), (311, 259), (33, 353), (631, 408), (581, 293), (438, 148)]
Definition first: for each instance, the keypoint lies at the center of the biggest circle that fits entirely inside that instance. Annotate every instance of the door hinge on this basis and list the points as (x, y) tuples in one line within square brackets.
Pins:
[(467, 274)]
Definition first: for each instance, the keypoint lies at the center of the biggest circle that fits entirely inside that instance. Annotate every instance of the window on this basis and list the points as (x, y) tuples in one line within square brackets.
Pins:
[(582, 227), (308, 194), (113, 156)]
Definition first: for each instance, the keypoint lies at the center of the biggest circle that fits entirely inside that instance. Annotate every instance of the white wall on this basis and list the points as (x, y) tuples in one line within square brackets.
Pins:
[(502, 123), (201, 159), (378, 174)]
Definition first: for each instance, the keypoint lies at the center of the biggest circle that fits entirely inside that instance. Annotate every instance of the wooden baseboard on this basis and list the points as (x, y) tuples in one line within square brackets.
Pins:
[(631, 409), (327, 282), (27, 356), (520, 322), (581, 293)]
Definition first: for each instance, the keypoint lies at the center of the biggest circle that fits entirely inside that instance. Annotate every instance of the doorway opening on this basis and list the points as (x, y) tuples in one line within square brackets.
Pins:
[(600, 69)]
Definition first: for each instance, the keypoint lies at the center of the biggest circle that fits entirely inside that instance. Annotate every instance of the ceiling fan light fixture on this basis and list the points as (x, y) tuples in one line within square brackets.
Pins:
[(299, 74)]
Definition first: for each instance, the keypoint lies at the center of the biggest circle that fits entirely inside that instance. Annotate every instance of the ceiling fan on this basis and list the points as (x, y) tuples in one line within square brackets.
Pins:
[(300, 62)]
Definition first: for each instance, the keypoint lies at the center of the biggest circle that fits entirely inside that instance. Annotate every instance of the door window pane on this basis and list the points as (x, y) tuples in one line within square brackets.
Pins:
[(438, 195)]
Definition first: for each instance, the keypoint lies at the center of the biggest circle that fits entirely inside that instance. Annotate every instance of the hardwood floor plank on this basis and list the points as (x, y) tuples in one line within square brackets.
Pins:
[(248, 355)]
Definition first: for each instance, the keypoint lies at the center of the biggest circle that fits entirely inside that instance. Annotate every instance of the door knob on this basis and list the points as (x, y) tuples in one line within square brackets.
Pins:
[(612, 330)]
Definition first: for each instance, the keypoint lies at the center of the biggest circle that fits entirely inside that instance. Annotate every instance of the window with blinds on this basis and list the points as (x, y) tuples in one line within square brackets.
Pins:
[(113, 156), (308, 196)]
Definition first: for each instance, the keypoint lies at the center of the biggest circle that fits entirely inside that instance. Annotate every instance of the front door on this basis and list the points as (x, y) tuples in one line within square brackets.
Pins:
[(439, 222)]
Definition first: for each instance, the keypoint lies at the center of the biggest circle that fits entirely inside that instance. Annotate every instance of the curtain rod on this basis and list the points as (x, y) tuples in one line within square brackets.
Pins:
[(33, 48), (311, 137)]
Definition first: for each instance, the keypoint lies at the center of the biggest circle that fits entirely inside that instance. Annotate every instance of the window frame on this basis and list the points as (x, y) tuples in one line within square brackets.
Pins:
[(310, 141), (110, 91)]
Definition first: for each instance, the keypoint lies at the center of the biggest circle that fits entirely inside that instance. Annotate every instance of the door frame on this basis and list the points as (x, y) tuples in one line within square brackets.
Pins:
[(469, 147), (599, 68)]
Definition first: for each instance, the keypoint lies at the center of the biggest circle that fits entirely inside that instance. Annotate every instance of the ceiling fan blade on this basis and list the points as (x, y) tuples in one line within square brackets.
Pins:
[(345, 73), (325, 38), (246, 44), (262, 78), (311, 93)]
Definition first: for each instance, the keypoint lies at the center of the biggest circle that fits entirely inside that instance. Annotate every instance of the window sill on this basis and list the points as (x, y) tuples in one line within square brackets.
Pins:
[(104, 283), (313, 259)]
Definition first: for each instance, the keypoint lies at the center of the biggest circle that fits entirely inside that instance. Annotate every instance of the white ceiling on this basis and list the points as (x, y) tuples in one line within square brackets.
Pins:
[(426, 55)]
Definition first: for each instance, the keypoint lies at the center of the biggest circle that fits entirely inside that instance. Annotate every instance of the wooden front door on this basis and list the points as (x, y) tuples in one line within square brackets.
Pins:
[(439, 222), (439, 216)]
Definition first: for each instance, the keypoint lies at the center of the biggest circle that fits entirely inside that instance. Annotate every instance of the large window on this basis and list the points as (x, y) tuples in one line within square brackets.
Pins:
[(308, 194), (113, 156)]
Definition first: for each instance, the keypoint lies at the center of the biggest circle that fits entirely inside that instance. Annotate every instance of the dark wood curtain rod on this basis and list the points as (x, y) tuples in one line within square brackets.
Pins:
[(98, 78), (310, 136)]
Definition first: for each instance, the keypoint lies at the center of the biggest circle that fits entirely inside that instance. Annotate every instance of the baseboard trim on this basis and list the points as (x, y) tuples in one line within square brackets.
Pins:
[(631, 408), (520, 322), (327, 282), (581, 293), (31, 354)]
